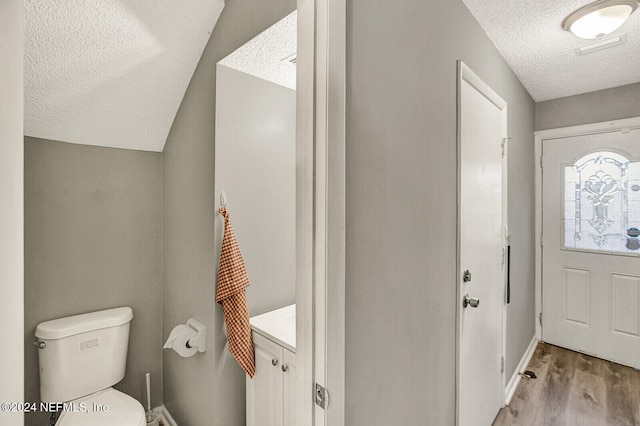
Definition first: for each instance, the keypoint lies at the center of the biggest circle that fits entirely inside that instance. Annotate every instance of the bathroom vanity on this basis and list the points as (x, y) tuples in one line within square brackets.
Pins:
[(271, 392)]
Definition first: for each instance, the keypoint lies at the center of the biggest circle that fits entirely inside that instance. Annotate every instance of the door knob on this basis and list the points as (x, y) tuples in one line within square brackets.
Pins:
[(470, 301)]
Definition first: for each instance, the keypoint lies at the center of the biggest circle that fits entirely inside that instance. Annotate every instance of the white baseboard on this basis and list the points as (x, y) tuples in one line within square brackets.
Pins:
[(165, 416), (515, 379)]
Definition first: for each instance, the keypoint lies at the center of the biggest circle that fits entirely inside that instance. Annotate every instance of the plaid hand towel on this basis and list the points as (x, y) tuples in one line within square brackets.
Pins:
[(232, 280)]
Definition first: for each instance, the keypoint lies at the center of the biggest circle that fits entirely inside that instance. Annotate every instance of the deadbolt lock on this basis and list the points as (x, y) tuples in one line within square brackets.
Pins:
[(466, 276)]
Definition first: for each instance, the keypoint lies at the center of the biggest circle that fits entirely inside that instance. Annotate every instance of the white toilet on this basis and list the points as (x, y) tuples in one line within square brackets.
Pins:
[(81, 357)]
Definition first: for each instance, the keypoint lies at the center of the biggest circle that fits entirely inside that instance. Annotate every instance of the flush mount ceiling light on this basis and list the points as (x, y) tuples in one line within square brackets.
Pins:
[(600, 18), (602, 43)]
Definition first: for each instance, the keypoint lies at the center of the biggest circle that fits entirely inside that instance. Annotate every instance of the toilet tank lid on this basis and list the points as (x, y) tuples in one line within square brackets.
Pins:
[(69, 326)]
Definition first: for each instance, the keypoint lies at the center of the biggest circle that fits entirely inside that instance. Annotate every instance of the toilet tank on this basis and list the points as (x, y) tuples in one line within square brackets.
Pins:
[(82, 354)]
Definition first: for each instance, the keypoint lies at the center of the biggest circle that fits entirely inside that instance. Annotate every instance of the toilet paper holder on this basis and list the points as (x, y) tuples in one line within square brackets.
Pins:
[(199, 342)]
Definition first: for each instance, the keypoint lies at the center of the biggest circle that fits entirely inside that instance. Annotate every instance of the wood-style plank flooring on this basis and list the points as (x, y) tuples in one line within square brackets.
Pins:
[(573, 389)]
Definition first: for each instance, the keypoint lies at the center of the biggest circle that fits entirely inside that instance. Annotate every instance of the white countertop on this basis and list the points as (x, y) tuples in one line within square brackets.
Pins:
[(278, 325)]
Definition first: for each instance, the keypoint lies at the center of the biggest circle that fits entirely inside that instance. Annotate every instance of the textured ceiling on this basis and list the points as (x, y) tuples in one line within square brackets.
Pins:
[(263, 55), (542, 54), (111, 73)]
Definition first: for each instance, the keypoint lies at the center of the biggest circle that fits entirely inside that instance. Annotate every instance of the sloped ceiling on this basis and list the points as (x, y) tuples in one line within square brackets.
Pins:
[(529, 37), (266, 55), (111, 73)]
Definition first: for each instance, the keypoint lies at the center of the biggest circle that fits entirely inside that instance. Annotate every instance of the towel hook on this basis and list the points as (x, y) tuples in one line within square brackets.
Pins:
[(223, 199)]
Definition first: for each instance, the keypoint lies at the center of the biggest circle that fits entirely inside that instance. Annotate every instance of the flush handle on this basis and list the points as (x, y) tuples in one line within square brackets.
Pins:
[(40, 345)]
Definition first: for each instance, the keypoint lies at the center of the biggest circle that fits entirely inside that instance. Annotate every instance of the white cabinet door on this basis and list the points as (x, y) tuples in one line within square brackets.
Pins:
[(289, 369), (265, 390), (591, 250)]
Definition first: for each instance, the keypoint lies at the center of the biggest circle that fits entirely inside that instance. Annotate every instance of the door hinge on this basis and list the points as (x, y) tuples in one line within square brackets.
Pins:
[(504, 144), (541, 161), (322, 396), (502, 365), (540, 319)]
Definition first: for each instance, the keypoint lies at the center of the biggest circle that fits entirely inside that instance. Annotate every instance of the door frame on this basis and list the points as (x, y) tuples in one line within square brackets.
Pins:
[(561, 133), (320, 207), (464, 73)]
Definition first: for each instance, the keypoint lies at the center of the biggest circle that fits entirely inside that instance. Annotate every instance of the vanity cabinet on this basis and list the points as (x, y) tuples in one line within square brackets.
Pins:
[(271, 392)]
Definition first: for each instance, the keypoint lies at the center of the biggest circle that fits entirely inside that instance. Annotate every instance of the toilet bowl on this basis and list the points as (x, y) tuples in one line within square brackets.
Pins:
[(107, 407), (80, 358)]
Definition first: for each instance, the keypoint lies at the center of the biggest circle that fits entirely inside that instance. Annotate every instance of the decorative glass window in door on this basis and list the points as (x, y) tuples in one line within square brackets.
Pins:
[(602, 204)]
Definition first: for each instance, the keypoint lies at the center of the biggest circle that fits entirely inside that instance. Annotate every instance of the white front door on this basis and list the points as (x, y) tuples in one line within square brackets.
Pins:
[(482, 129), (590, 245)]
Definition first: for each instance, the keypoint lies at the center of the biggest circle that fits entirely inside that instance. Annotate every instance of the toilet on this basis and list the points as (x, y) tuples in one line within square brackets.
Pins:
[(80, 358)]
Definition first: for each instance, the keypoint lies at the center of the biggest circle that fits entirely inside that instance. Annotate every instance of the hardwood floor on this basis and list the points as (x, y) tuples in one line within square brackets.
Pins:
[(573, 389)]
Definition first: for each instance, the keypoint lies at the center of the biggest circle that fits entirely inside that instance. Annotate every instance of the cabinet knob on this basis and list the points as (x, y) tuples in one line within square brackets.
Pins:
[(285, 367), (274, 362)]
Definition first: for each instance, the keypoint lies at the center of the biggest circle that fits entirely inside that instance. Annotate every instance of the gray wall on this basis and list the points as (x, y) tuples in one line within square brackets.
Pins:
[(92, 242), (11, 207), (256, 167), (207, 389), (401, 206), (603, 105)]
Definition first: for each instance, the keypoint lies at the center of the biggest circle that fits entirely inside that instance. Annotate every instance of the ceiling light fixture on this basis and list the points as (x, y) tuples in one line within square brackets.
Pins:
[(603, 43), (600, 18)]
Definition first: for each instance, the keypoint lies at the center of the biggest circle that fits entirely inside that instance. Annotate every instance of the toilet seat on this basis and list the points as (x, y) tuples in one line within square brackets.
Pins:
[(123, 410)]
